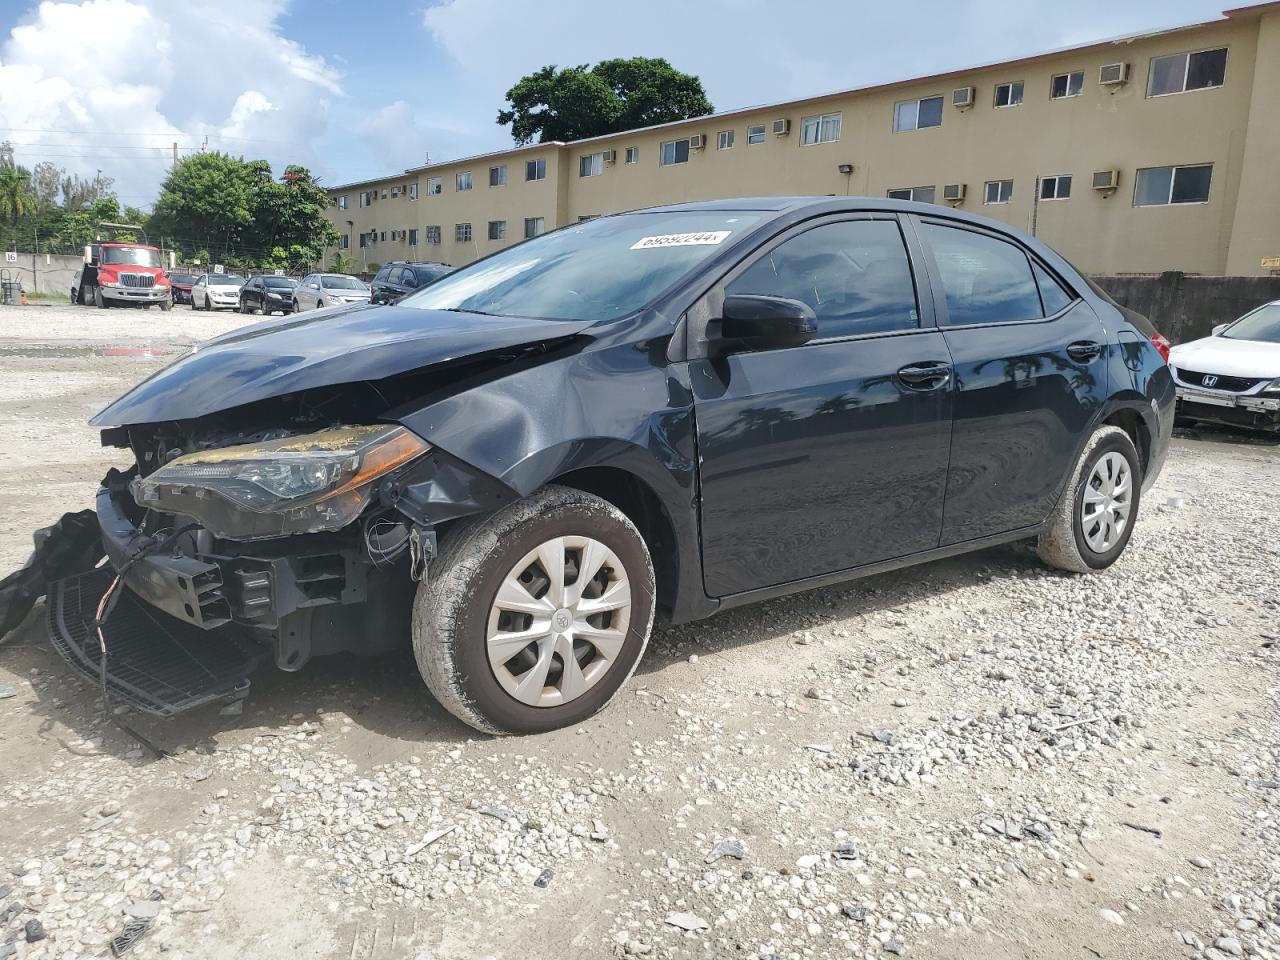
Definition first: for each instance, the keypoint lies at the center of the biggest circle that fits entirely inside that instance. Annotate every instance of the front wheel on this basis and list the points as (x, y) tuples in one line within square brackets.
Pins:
[(166, 306), (208, 304), (99, 300), (1093, 521), (532, 618)]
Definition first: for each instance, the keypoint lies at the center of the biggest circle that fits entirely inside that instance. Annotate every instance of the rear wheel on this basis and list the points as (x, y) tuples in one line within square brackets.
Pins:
[(295, 306), (532, 618), (1093, 521)]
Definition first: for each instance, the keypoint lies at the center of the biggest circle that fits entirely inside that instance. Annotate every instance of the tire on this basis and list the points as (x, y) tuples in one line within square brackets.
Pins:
[(99, 300), (208, 304), (295, 307), (455, 612), (166, 306), (244, 307), (1069, 541), (319, 304)]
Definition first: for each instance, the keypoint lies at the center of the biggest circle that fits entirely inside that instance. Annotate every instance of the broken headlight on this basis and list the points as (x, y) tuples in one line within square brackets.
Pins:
[(305, 484)]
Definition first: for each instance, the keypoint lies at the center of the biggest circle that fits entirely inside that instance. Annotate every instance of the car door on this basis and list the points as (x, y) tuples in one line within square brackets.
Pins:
[(198, 291), (407, 282), (305, 294), (833, 454), (249, 297), (1030, 378)]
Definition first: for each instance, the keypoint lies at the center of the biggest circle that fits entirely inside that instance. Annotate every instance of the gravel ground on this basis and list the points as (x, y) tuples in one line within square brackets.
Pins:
[(979, 757)]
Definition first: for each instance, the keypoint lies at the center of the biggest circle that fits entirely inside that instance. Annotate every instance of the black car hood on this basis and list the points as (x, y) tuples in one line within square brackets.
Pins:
[(316, 349)]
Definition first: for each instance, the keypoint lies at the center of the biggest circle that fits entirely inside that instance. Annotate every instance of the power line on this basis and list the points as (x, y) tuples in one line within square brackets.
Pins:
[(119, 133)]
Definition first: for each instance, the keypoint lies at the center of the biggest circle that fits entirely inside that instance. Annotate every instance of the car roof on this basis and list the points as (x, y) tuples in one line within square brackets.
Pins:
[(828, 204)]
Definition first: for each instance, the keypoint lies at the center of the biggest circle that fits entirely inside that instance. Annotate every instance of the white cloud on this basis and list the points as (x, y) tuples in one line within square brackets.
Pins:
[(112, 84), (394, 136)]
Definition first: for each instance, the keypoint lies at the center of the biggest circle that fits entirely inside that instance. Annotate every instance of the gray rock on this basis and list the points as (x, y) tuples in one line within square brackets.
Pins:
[(894, 947), (847, 851), (34, 931), (544, 878), (687, 921), (727, 848), (1229, 945), (144, 909), (7, 691), (853, 912)]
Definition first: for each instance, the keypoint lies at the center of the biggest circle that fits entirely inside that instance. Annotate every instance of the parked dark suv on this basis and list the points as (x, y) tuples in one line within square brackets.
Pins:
[(676, 410), (396, 280)]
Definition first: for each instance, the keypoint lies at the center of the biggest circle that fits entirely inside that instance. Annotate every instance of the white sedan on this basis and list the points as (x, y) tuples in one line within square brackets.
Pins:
[(328, 290), (1233, 376), (213, 291)]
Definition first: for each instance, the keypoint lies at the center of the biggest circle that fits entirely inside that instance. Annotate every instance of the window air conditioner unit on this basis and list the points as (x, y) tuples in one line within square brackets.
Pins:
[(610, 156), (697, 141), (1106, 179), (1113, 74), (962, 97), (781, 128), (953, 192)]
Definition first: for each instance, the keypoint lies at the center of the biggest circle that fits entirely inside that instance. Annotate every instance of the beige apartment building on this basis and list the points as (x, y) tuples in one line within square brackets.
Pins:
[(1154, 152)]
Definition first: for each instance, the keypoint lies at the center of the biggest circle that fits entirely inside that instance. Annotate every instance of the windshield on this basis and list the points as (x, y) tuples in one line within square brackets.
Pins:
[(341, 283), (131, 256), (225, 280), (596, 270), (279, 282), (1263, 324)]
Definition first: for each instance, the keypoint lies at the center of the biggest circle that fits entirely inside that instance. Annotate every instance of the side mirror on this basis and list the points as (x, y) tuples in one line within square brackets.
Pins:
[(1217, 331), (751, 322)]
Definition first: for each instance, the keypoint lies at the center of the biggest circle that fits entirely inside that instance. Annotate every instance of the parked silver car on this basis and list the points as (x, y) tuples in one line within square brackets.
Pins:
[(329, 290), (214, 291)]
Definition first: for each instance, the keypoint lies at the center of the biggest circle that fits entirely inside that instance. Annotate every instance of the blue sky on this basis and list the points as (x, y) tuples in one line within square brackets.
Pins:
[(356, 89)]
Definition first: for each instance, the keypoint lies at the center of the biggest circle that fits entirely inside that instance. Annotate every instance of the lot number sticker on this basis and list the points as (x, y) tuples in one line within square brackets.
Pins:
[(706, 237)]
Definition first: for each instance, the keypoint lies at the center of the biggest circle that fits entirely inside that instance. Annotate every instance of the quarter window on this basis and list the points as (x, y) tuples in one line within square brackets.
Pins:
[(1066, 85), (591, 165), (755, 133), (462, 181), (724, 140), (633, 154), (498, 176), (675, 151), (820, 129), (462, 232), (1009, 94), (435, 186), (1158, 186), (998, 191), (986, 280), (1184, 72), (535, 169), (855, 275), (1055, 188), (1053, 296), (534, 227), (919, 194), (497, 229), (433, 235), (917, 114)]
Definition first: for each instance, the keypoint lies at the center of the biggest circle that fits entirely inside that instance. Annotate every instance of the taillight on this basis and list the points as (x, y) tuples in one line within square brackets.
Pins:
[(1162, 344)]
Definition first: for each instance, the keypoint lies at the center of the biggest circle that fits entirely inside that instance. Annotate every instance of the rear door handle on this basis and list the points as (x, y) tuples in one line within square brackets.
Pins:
[(1084, 350), (927, 375)]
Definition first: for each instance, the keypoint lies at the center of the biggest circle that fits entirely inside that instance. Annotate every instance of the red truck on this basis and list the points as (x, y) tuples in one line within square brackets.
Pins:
[(119, 273)]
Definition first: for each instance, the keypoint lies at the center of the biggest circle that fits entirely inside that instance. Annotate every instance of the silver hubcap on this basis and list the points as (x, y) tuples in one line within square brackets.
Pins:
[(559, 621), (1108, 497)]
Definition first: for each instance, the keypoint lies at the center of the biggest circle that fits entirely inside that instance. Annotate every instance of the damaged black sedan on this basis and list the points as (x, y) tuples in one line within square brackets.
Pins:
[(670, 411)]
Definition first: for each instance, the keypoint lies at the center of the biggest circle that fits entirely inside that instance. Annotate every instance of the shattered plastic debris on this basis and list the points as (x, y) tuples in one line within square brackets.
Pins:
[(140, 924), (727, 848), (70, 546), (687, 921)]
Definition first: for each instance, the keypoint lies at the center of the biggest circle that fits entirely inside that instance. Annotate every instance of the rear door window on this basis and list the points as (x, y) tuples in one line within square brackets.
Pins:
[(854, 274), (985, 279), (407, 278)]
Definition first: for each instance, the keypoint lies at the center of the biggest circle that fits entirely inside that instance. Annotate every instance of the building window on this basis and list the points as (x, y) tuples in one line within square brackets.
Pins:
[(433, 235), (366, 197), (462, 232), (1066, 85), (498, 176), (535, 169), (998, 191), (675, 151), (413, 237), (533, 227), (1159, 186), (497, 229), (917, 114), (1009, 94), (591, 165), (821, 129), (633, 154), (755, 133), (724, 140), (435, 186), (919, 194), (1055, 188), (364, 239), (462, 181), (1187, 71), (344, 241), (342, 202), (383, 238), (413, 191)]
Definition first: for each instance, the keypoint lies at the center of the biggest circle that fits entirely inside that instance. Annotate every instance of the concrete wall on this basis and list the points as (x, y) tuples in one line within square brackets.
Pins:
[(46, 273), (1186, 308)]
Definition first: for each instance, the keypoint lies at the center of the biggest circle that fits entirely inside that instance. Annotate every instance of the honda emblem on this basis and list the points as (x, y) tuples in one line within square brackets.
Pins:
[(1209, 380)]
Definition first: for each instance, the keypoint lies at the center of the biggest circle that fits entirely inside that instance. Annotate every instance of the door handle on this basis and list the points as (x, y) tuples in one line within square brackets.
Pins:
[(928, 375), (1084, 350)]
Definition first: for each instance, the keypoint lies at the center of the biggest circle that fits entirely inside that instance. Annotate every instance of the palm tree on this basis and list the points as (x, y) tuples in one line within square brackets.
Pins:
[(16, 200)]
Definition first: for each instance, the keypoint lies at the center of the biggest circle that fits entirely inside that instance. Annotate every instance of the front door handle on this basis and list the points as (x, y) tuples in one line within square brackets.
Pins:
[(1084, 350), (928, 375)]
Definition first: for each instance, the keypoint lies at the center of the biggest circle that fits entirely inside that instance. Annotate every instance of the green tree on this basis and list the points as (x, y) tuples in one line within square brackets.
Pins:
[(342, 263), (615, 95), (16, 199)]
